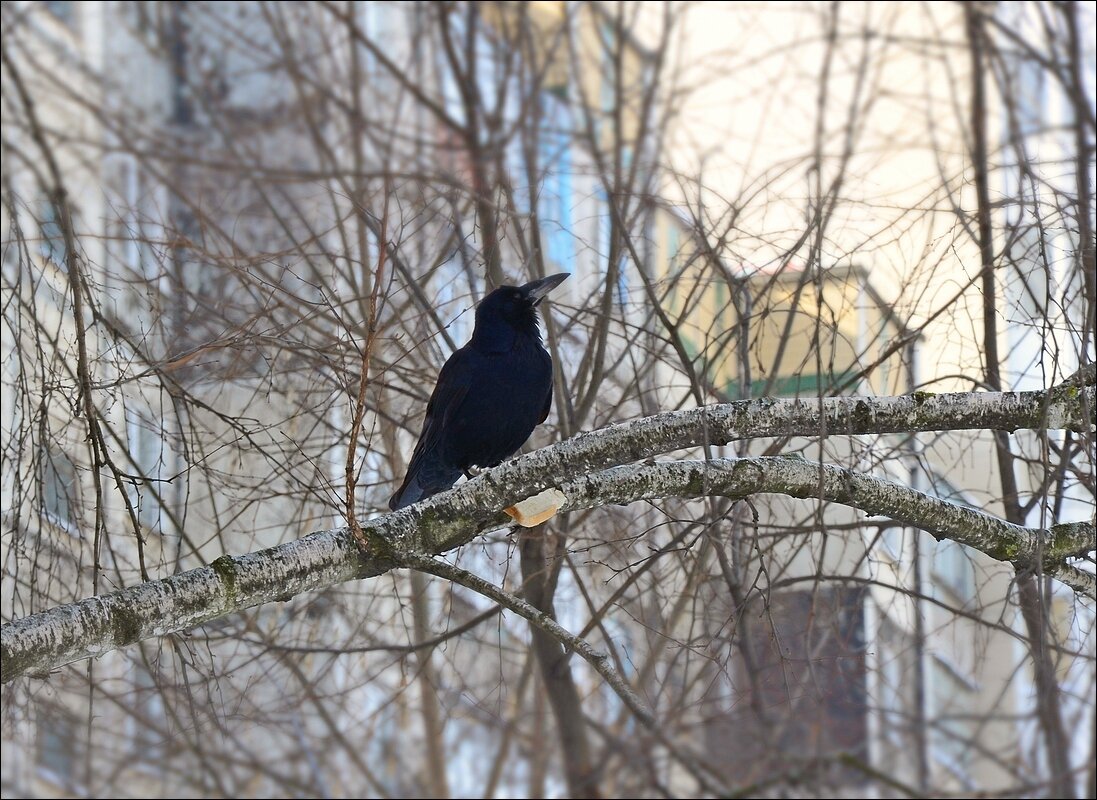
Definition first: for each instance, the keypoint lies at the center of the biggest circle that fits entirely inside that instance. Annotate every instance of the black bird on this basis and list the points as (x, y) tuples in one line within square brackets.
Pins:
[(490, 396)]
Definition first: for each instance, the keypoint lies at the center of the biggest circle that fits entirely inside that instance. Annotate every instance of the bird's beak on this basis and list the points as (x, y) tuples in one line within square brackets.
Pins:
[(535, 291)]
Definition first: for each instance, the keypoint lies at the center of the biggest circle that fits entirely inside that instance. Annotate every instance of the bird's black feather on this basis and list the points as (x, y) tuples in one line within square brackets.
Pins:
[(490, 395)]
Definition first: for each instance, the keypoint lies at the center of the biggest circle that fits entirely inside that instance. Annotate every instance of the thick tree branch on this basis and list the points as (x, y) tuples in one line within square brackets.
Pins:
[(96, 625)]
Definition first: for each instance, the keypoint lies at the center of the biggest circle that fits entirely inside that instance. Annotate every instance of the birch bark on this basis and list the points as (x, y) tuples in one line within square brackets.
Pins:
[(593, 469)]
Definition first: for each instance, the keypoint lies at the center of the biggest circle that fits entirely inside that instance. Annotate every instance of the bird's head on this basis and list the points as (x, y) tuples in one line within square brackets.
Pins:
[(510, 311)]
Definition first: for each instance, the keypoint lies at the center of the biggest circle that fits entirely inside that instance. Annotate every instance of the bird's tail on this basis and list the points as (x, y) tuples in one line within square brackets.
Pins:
[(408, 494), (421, 484)]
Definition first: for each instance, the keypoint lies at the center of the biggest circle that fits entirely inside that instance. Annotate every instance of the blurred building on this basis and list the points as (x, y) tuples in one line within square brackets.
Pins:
[(224, 162), (215, 194), (865, 649)]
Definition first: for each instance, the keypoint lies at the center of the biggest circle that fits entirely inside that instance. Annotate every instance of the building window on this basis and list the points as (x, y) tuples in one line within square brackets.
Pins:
[(1030, 96), (623, 643), (52, 242), (896, 700), (884, 370), (149, 718), (454, 301), (952, 737), (806, 683), (55, 746), (147, 450), (954, 569), (953, 564), (893, 538), (607, 89), (484, 70), (604, 244), (150, 20), (673, 265), (58, 476), (64, 10), (128, 241), (604, 222), (554, 157), (372, 24), (622, 282)]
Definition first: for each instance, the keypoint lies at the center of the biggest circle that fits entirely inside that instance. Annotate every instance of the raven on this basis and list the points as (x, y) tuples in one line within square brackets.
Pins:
[(490, 396)]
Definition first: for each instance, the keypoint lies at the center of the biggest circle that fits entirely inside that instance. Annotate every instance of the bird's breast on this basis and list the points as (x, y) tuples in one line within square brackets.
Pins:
[(504, 403)]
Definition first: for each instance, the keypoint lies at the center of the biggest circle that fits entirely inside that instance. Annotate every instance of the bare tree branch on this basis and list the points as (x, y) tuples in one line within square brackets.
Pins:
[(231, 583)]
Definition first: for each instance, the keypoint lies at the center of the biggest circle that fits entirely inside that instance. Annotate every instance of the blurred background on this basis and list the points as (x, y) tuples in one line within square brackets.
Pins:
[(235, 232)]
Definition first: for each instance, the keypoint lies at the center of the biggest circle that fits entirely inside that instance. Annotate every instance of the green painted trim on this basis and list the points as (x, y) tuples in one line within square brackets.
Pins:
[(795, 385)]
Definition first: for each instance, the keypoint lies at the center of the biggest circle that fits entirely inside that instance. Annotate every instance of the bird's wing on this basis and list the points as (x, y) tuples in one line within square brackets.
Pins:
[(548, 404), (454, 380)]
